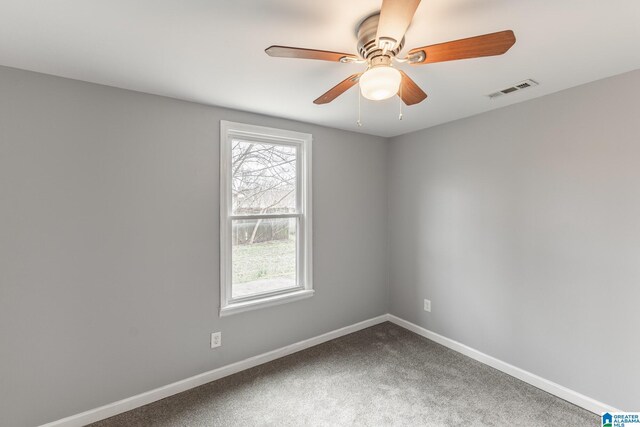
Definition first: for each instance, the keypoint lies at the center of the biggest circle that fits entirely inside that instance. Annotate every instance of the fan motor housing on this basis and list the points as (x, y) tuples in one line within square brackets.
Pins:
[(367, 47)]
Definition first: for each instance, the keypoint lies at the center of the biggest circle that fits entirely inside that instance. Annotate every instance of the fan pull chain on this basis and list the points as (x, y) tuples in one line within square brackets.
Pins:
[(358, 122), (400, 115)]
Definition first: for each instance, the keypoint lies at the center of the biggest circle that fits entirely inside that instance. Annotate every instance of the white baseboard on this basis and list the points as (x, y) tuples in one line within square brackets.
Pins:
[(142, 399), (550, 387)]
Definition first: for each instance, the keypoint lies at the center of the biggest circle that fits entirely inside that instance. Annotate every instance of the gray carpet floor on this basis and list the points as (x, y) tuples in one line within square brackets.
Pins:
[(383, 375)]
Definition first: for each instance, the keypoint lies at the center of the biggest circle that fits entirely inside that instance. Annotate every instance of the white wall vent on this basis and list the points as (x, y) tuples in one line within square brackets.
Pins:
[(525, 84)]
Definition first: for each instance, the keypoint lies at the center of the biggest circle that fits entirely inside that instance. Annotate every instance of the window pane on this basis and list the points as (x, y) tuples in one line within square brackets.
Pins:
[(263, 256), (263, 178)]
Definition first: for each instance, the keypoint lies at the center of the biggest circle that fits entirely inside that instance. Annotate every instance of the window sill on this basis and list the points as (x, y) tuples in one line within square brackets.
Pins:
[(241, 307)]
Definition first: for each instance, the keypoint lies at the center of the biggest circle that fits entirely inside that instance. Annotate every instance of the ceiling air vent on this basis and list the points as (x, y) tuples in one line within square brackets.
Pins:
[(516, 87)]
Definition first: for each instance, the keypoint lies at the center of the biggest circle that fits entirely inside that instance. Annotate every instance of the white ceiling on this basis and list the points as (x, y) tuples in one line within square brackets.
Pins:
[(212, 51)]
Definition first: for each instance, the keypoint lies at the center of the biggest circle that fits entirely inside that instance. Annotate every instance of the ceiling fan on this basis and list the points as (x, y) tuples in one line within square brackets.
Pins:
[(380, 39)]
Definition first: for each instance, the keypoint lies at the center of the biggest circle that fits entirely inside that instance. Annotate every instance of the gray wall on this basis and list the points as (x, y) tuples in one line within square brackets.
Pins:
[(522, 226), (109, 244)]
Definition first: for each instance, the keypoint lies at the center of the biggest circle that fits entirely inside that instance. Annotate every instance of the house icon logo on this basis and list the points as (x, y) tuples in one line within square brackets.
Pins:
[(607, 420)]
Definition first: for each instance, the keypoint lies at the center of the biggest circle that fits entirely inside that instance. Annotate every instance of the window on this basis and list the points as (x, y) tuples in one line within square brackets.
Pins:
[(265, 216)]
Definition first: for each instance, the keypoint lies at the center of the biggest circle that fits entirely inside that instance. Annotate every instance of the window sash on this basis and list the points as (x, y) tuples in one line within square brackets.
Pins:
[(300, 280), (273, 141)]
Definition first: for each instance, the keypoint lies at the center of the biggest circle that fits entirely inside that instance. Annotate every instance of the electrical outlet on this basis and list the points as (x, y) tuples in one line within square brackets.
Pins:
[(427, 305), (216, 339)]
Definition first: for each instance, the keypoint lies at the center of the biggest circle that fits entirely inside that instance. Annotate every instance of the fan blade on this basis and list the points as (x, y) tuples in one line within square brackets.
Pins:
[(338, 89), (395, 17), (473, 47), (410, 92), (298, 52)]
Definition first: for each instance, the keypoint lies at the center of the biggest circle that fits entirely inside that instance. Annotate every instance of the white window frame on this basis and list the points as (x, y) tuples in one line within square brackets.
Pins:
[(228, 132)]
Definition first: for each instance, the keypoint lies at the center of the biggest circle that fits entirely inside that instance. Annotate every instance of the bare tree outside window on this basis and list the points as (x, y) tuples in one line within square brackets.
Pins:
[(264, 178)]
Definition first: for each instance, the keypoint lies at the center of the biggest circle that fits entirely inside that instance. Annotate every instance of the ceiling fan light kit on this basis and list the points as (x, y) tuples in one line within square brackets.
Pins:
[(380, 40), (380, 82)]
